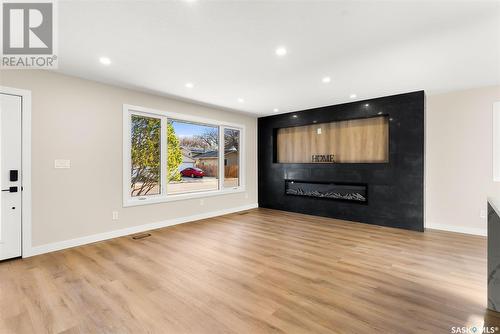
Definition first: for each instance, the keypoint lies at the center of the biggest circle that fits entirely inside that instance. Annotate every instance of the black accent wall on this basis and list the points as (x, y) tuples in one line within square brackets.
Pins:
[(395, 189)]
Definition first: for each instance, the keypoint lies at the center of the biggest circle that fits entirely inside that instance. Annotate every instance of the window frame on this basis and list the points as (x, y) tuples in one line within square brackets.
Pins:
[(164, 116)]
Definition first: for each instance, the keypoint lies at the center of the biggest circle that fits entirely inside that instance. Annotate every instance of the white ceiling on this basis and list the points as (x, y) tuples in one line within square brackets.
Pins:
[(227, 48)]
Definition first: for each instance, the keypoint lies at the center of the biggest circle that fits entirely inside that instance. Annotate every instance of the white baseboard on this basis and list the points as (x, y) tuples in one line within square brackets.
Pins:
[(458, 229), (55, 246)]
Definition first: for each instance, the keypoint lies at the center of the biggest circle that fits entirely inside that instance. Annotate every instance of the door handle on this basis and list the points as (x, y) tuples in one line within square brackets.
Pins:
[(11, 189)]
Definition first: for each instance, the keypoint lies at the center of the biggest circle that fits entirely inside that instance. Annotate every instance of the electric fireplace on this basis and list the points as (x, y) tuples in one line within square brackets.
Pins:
[(329, 190)]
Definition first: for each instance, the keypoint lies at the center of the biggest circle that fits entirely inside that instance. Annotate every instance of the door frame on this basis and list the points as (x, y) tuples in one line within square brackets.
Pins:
[(26, 249)]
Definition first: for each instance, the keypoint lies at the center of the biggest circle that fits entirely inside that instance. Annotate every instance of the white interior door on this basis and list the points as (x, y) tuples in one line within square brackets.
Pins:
[(10, 176)]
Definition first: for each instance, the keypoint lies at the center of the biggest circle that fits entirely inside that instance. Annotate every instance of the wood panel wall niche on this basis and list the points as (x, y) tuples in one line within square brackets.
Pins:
[(352, 141)]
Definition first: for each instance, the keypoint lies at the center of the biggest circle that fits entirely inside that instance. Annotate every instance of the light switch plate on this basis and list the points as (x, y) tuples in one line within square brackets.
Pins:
[(62, 163)]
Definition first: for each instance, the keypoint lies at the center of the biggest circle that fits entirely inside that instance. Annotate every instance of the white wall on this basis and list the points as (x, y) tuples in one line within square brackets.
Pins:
[(81, 120), (459, 172)]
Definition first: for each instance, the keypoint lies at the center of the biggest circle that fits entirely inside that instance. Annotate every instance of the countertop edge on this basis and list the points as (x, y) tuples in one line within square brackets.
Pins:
[(495, 204)]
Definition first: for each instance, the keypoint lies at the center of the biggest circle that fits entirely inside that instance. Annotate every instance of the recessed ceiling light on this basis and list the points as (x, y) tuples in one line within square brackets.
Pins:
[(353, 96), (326, 80), (276, 110), (281, 51), (240, 100), (189, 85), (105, 60), (367, 104), (295, 116)]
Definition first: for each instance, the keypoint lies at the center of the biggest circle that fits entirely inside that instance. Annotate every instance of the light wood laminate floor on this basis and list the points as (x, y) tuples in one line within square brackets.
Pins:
[(263, 271)]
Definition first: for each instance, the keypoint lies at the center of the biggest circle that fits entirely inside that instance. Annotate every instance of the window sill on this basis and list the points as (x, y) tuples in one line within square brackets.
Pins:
[(173, 198)]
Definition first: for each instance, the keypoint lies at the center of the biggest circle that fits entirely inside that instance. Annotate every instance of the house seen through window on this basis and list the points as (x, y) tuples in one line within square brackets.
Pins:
[(193, 157)]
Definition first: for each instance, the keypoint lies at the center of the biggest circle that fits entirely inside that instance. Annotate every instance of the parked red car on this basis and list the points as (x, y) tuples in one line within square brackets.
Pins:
[(192, 172)]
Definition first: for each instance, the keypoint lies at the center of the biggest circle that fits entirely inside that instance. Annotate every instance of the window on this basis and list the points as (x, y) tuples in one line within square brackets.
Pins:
[(193, 157), (169, 156), (231, 157), (145, 173)]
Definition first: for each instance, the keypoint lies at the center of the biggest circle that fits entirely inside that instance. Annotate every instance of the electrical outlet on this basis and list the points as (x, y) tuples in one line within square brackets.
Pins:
[(202, 201), (482, 214), (115, 215)]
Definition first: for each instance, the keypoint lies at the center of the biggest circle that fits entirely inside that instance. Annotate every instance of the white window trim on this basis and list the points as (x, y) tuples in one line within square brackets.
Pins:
[(129, 110)]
